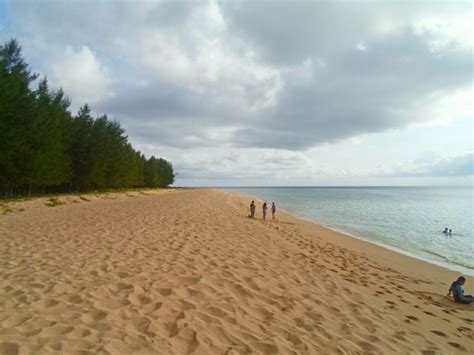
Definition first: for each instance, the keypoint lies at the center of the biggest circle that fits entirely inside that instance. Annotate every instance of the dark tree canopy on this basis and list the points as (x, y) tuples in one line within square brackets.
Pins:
[(43, 147)]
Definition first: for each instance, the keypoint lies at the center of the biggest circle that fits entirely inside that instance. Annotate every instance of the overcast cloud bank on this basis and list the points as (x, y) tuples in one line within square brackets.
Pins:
[(232, 89)]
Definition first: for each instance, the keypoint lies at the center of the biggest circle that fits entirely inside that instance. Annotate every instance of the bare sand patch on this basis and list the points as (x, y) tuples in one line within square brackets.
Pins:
[(187, 272)]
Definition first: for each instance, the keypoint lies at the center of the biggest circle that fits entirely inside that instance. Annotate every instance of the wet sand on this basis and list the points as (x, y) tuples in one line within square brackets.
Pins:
[(187, 271)]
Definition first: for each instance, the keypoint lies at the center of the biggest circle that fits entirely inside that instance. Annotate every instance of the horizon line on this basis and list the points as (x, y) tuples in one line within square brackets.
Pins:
[(328, 186)]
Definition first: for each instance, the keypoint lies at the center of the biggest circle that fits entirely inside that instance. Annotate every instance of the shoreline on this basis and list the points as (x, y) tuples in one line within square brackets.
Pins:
[(373, 245), (187, 272), (450, 266), (445, 265)]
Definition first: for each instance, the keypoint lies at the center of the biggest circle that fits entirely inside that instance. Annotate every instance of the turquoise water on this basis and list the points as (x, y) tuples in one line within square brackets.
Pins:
[(409, 220)]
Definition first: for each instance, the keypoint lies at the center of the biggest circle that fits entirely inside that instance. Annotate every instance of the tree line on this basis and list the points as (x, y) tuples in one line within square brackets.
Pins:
[(46, 149)]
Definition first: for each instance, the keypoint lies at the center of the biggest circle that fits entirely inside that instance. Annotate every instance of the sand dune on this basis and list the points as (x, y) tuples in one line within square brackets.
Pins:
[(187, 272)]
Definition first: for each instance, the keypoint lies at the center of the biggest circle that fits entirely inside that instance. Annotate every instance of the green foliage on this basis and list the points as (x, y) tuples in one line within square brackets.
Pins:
[(16, 113), (53, 202), (158, 173), (44, 148), (7, 210)]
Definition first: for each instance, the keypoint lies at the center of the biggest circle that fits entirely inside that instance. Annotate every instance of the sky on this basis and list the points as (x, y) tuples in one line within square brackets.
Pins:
[(269, 93)]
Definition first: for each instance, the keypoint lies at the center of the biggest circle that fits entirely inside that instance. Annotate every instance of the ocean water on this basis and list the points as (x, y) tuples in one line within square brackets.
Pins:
[(409, 220)]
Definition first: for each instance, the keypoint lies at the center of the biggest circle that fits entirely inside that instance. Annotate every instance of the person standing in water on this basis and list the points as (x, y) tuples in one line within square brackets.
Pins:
[(252, 210), (274, 208), (264, 210)]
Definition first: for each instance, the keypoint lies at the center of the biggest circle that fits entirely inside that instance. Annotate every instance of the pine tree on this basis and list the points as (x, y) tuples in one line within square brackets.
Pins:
[(42, 146), (16, 114)]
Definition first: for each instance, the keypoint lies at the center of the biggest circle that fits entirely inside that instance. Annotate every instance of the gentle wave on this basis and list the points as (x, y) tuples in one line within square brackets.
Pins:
[(449, 260)]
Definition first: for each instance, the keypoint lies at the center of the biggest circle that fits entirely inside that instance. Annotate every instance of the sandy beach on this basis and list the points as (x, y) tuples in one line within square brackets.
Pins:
[(187, 272)]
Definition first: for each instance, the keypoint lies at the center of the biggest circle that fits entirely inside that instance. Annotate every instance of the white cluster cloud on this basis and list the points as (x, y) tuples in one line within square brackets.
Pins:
[(81, 75)]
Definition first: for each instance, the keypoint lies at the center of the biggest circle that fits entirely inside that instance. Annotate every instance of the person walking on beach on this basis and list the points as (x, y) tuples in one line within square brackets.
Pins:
[(458, 291), (264, 210), (274, 209), (252, 210)]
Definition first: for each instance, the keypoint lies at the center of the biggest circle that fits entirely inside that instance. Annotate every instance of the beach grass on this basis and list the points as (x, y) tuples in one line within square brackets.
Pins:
[(53, 202)]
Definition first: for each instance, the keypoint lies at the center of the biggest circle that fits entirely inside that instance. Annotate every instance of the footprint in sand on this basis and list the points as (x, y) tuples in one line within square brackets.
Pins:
[(56, 330), (76, 299), (165, 291), (265, 348), (122, 275), (94, 316), (294, 339), (81, 333), (216, 312), (455, 345), (117, 287), (55, 346), (139, 300), (412, 317), (366, 346), (113, 303), (14, 320), (437, 332), (141, 324), (299, 322), (9, 348), (45, 303), (37, 285)]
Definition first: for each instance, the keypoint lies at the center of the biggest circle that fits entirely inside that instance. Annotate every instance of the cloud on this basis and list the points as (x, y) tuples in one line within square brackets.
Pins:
[(218, 63), (430, 166), (81, 75), (242, 164), (396, 82), (460, 165), (286, 31), (256, 79), (389, 85)]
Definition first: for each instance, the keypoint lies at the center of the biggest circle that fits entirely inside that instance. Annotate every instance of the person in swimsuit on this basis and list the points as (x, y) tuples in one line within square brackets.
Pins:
[(264, 210), (274, 208), (252, 210), (458, 291)]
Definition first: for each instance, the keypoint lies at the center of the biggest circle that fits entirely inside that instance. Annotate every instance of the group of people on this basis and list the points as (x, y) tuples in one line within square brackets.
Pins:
[(264, 210), (447, 231)]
